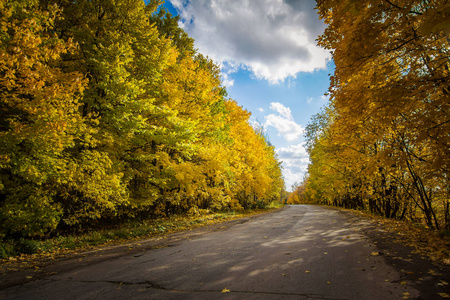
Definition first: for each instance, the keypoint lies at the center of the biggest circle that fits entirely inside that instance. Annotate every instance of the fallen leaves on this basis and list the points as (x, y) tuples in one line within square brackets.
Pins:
[(442, 283), (434, 273), (425, 241), (225, 290)]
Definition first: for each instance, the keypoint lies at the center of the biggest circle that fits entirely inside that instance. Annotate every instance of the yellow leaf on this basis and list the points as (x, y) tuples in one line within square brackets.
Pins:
[(434, 273), (442, 283), (225, 290)]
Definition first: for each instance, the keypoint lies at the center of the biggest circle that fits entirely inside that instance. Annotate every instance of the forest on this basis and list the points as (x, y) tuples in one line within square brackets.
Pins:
[(109, 113), (383, 142)]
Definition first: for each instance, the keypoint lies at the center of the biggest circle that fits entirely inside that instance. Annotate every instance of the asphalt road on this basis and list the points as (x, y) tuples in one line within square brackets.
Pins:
[(299, 252)]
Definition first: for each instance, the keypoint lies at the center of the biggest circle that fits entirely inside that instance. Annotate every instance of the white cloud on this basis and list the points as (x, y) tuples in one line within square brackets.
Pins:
[(282, 110), (293, 152), (274, 39), (261, 109), (283, 122), (295, 163), (226, 80)]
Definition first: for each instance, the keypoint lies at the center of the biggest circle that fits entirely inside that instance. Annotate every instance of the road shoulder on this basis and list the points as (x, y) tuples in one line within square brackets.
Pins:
[(430, 278), (44, 267)]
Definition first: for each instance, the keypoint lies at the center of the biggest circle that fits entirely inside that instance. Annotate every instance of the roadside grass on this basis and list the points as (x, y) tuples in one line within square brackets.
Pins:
[(28, 249)]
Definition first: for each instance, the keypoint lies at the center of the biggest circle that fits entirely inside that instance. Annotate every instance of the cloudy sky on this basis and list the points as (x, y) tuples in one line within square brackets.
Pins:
[(270, 64)]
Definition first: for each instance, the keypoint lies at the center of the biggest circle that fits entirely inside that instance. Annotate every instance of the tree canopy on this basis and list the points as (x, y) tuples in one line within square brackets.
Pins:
[(383, 142), (108, 112)]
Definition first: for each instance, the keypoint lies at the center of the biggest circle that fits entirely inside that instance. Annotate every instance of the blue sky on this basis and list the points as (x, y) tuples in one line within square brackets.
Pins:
[(270, 64)]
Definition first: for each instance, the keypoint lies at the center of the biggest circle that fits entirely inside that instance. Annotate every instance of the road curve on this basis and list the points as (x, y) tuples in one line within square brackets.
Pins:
[(300, 252)]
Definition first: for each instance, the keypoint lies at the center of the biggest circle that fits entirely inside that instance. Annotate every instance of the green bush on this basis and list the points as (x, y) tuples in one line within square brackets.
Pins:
[(26, 246), (6, 250)]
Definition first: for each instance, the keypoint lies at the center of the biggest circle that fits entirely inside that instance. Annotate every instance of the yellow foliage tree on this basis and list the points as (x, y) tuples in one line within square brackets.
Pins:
[(108, 113), (39, 117), (386, 142)]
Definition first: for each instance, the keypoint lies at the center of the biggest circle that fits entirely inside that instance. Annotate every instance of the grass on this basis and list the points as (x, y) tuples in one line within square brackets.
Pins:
[(11, 250)]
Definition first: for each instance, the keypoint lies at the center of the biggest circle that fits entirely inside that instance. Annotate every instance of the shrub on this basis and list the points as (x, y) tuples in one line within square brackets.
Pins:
[(27, 246)]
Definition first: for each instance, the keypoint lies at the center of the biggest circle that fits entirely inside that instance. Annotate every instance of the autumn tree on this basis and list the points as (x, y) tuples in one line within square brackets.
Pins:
[(109, 113), (389, 103), (39, 117), (256, 173)]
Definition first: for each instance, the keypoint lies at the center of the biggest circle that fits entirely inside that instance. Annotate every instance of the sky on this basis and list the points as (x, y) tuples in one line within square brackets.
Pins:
[(270, 64)]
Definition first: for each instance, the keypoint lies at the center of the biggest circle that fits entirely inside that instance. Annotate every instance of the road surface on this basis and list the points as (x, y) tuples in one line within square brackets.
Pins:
[(299, 252)]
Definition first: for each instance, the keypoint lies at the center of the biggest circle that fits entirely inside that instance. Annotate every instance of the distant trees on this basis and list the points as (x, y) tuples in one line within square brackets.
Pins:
[(108, 112), (383, 143)]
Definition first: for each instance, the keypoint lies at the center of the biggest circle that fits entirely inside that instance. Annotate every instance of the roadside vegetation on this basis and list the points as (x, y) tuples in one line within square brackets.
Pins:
[(112, 123), (382, 143)]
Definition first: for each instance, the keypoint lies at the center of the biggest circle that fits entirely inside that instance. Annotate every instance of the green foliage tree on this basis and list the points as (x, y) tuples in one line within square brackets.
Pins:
[(39, 122), (108, 112)]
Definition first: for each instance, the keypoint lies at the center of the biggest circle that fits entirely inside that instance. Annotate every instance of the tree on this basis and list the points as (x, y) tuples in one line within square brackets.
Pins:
[(257, 177), (390, 103), (109, 113), (40, 118)]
